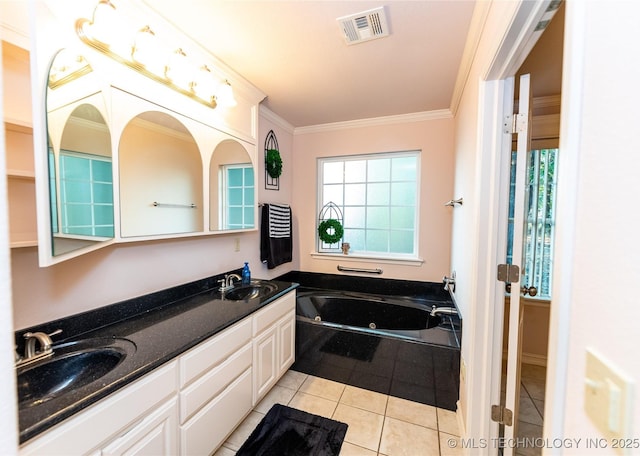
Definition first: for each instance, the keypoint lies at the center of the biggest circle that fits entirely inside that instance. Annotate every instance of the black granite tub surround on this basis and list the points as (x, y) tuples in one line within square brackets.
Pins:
[(377, 334), (161, 326)]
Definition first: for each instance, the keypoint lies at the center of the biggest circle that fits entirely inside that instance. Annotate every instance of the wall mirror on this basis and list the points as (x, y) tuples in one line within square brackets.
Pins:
[(79, 157), (160, 167), (232, 188)]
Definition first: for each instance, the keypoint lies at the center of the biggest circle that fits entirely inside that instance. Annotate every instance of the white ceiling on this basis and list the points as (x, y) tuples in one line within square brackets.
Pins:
[(295, 53)]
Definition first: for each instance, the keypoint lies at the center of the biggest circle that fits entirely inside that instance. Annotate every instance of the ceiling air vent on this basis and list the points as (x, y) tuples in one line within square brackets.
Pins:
[(365, 26)]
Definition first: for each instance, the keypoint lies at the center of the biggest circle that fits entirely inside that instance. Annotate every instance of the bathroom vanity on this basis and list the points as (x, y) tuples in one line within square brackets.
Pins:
[(200, 364)]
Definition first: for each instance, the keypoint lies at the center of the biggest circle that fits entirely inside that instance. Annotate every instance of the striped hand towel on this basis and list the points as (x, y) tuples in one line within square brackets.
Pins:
[(279, 221)]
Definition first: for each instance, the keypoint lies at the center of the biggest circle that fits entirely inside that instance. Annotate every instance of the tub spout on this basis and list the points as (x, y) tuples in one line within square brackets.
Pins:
[(449, 282), (443, 311)]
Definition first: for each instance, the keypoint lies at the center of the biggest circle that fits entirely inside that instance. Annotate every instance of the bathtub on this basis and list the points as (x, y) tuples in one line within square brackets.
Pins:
[(380, 340)]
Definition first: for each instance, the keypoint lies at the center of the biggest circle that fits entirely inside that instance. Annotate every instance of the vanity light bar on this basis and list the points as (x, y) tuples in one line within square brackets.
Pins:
[(84, 32)]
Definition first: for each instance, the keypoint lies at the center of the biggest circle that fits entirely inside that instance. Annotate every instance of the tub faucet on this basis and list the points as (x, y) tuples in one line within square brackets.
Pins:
[(443, 311), (227, 282), (449, 282)]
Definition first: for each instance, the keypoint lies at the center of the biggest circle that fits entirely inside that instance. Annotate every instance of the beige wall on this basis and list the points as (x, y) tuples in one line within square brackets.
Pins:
[(434, 138)]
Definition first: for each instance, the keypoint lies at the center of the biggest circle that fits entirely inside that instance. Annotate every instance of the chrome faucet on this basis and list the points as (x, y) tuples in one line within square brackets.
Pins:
[(227, 283), (443, 311), (30, 351)]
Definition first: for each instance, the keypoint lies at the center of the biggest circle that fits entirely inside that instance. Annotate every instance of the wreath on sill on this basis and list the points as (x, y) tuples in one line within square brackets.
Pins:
[(273, 163), (330, 231)]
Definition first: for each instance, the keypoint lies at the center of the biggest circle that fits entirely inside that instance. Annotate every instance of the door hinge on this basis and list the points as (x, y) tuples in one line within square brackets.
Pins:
[(501, 415), (515, 123), (508, 273)]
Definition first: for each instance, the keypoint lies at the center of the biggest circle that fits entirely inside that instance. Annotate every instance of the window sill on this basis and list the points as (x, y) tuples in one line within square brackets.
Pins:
[(368, 259)]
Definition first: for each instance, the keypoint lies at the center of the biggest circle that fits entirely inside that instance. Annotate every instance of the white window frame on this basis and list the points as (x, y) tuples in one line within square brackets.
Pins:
[(389, 257)]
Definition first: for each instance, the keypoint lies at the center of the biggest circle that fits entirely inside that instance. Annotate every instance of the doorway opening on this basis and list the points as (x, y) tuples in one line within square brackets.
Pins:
[(544, 64)]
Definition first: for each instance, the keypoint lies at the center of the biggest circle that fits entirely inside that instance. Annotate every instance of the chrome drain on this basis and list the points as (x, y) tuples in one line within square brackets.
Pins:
[(372, 325), (317, 318)]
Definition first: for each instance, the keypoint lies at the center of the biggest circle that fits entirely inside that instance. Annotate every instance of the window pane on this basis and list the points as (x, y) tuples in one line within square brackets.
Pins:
[(235, 177), (403, 218), (403, 193), (235, 196), (103, 215), (354, 194), (404, 168), (379, 170), (248, 217), (248, 176), (248, 196), (333, 193), (377, 241), (354, 217), (102, 193), (235, 216), (378, 217), (102, 171), (76, 191), (75, 167), (333, 172), (78, 215), (401, 241), (355, 171), (378, 194), (355, 238)]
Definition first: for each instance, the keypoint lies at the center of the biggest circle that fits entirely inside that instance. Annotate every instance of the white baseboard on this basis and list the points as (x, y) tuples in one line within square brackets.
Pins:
[(537, 360), (530, 358), (460, 419)]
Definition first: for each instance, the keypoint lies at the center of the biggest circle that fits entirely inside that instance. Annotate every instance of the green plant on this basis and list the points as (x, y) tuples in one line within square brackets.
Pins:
[(273, 163), (330, 231)]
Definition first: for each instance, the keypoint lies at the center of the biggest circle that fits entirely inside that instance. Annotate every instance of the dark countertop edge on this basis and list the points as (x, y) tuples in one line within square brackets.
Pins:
[(55, 417)]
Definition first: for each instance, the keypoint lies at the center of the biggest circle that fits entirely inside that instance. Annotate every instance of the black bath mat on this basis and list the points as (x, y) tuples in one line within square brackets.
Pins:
[(361, 347), (291, 432)]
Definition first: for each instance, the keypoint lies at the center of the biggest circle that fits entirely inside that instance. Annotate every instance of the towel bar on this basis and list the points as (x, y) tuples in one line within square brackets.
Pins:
[(188, 206), (368, 271)]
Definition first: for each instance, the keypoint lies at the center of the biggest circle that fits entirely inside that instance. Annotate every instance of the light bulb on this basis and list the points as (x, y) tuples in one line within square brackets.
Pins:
[(224, 95)]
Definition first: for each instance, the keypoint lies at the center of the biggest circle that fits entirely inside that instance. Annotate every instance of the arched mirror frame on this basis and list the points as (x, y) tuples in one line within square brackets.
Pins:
[(56, 24), (160, 177), (80, 169), (232, 182)]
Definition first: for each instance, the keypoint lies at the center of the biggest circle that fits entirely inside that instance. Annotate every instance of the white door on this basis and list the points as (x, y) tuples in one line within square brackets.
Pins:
[(514, 287)]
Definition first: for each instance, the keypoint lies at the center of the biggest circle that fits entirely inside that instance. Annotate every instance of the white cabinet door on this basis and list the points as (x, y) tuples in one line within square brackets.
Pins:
[(265, 362), (209, 428), (286, 342), (156, 435)]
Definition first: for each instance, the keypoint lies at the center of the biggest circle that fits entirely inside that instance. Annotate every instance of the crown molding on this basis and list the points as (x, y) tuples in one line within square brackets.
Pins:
[(274, 118), (376, 121), (478, 20)]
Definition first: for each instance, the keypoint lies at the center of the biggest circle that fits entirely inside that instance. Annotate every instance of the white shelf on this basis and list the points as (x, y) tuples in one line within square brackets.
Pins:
[(21, 174)]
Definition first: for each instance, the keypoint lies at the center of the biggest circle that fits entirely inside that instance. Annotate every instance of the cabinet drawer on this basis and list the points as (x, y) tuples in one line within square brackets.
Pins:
[(156, 434), (273, 312), (213, 382), (214, 351), (208, 429)]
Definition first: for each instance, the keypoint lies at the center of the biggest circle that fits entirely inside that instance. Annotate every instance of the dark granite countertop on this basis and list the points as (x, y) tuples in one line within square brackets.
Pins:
[(160, 325)]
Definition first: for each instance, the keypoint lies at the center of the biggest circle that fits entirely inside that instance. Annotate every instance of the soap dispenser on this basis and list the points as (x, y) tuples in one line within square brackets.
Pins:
[(246, 274)]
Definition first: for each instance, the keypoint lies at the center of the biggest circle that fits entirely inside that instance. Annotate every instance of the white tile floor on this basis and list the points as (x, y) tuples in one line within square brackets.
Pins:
[(379, 425)]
